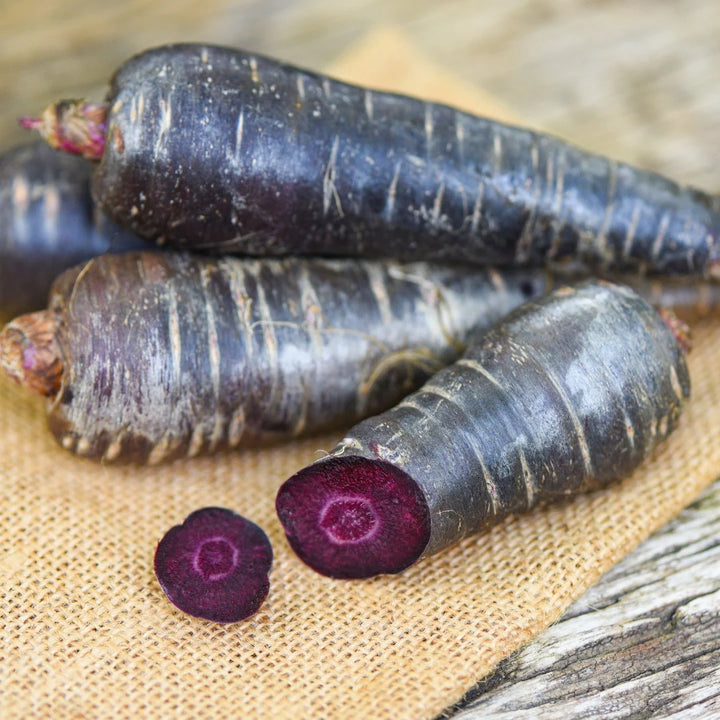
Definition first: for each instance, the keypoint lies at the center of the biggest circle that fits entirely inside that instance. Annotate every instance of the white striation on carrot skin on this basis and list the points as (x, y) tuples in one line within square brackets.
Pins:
[(30, 354), (75, 126)]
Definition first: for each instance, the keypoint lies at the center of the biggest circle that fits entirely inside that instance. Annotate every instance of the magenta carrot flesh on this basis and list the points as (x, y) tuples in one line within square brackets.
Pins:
[(215, 565)]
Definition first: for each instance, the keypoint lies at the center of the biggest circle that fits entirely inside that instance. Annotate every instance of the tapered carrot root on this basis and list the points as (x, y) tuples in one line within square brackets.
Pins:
[(150, 357), (689, 299), (216, 148), (565, 395), (155, 356)]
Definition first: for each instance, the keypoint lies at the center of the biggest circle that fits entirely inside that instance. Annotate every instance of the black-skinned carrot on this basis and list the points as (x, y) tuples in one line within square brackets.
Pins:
[(212, 147), (48, 223), (153, 356), (565, 395)]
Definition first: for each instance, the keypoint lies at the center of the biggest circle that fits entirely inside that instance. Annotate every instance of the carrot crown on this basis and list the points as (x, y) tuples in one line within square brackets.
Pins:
[(72, 125), (30, 355)]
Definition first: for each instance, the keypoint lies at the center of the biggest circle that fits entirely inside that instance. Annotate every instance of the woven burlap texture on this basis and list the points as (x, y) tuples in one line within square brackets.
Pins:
[(87, 632)]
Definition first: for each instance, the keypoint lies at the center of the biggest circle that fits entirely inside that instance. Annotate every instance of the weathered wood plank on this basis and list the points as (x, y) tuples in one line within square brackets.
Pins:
[(644, 642)]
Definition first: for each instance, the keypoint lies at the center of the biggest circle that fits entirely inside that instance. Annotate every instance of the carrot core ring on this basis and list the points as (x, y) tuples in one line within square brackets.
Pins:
[(348, 519), (215, 565), (215, 559)]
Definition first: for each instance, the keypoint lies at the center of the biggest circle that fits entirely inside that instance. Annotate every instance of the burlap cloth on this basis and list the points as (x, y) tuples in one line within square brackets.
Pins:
[(87, 632)]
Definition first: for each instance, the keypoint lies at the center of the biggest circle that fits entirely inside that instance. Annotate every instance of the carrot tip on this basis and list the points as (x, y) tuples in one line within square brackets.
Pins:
[(714, 270), (74, 126)]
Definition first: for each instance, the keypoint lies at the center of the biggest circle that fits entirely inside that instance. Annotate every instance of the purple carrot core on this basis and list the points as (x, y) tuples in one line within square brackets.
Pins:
[(215, 565), (353, 517), (215, 559), (348, 520), (74, 126)]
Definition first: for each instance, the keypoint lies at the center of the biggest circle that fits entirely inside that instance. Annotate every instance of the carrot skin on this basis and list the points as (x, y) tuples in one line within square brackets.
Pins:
[(168, 355), (567, 394), (148, 357), (47, 224), (213, 147)]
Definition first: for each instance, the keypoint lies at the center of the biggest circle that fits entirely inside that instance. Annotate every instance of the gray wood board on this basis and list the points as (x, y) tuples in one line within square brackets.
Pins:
[(644, 642)]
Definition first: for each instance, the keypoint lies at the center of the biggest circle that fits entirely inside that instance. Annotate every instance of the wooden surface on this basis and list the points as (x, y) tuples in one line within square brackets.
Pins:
[(637, 81), (642, 643)]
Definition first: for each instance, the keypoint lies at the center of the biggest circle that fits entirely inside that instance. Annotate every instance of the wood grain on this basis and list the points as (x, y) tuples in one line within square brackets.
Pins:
[(641, 643)]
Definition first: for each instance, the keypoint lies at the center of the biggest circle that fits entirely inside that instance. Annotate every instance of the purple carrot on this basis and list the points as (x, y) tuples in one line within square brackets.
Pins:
[(156, 356), (48, 223), (215, 565), (688, 299), (214, 147), (565, 395), (148, 357)]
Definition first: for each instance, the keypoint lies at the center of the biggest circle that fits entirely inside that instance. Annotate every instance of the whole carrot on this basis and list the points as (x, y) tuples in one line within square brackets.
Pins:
[(48, 223), (153, 356), (565, 395), (204, 146)]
